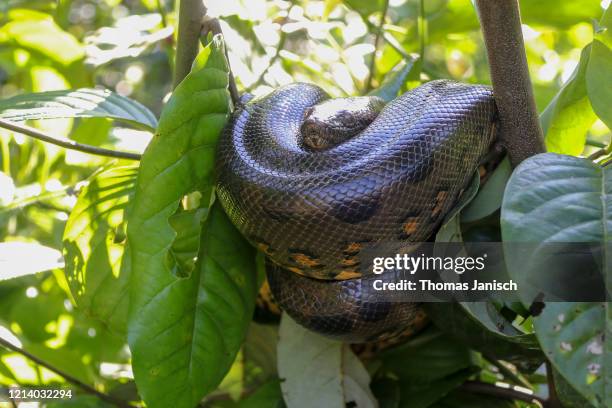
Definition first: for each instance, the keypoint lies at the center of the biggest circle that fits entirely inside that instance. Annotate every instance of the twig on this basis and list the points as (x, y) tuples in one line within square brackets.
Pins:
[(191, 14), (212, 25), (507, 372), (422, 23), (379, 33), (520, 129), (553, 399), (68, 144), (600, 153), (85, 387), (495, 391)]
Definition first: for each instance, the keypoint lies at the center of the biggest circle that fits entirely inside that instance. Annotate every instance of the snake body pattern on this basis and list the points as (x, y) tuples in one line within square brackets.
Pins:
[(312, 211)]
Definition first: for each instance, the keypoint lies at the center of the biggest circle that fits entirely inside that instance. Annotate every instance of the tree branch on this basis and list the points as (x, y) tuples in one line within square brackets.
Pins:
[(520, 129), (68, 144), (553, 398), (85, 387), (379, 33), (191, 15), (478, 387)]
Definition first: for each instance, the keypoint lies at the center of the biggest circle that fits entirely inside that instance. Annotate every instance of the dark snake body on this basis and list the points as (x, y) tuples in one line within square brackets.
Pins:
[(312, 212)]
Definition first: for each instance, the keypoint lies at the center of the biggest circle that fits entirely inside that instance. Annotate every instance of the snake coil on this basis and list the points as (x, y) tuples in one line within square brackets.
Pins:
[(312, 211)]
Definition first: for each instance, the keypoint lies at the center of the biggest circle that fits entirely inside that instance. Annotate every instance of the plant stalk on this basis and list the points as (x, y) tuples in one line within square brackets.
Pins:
[(68, 144), (520, 130), (191, 16)]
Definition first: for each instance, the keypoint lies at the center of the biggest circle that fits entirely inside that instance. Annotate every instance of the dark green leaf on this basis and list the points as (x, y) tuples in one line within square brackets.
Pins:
[(489, 197), (559, 198), (77, 103), (188, 227), (366, 7)]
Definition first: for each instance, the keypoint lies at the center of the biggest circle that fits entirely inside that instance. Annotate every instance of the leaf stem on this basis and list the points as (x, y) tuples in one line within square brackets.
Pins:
[(493, 390), (422, 24), (507, 372), (191, 15), (379, 33), (212, 25), (68, 144), (85, 387), (553, 399)]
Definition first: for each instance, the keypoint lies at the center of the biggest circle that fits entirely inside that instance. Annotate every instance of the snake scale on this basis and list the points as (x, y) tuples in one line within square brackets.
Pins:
[(312, 197)]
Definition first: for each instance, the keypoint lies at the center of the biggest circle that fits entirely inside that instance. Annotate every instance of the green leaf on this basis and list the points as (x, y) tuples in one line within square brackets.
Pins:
[(45, 37), (94, 245), (40, 258), (599, 80), (559, 14), (489, 197), (463, 399), (428, 367), (431, 355), (568, 396), (81, 103), (187, 225), (569, 116), (185, 332), (555, 198), (394, 80), (268, 395), (185, 338), (481, 326), (573, 337), (316, 371), (366, 7)]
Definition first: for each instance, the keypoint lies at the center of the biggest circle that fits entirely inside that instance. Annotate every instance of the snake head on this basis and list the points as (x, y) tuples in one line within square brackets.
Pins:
[(334, 121)]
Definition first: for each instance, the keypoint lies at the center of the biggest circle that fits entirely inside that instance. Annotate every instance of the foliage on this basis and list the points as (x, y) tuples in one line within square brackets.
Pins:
[(153, 298)]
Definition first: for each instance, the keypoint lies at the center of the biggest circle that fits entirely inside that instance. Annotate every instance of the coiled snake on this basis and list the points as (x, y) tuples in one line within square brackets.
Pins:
[(311, 181)]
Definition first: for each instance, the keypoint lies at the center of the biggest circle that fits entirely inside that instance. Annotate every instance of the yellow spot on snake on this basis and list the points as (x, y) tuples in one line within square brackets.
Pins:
[(347, 274), (440, 199), (305, 260), (411, 226)]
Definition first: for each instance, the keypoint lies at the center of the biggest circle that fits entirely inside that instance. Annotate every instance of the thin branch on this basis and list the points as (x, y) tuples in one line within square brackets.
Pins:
[(520, 129), (75, 381), (553, 399), (68, 144), (493, 390), (379, 33), (191, 15), (212, 25), (422, 24), (507, 372)]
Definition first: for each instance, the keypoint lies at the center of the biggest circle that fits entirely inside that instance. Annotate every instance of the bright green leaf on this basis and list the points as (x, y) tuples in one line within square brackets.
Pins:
[(184, 333), (599, 81), (45, 37), (569, 116), (94, 245), (82, 103)]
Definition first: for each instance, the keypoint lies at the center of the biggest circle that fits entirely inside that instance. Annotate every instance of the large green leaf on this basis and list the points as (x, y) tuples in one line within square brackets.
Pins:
[(319, 372), (185, 332), (490, 195), (94, 244), (599, 80), (82, 103), (43, 36), (568, 117), (559, 14), (428, 367), (556, 198)]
